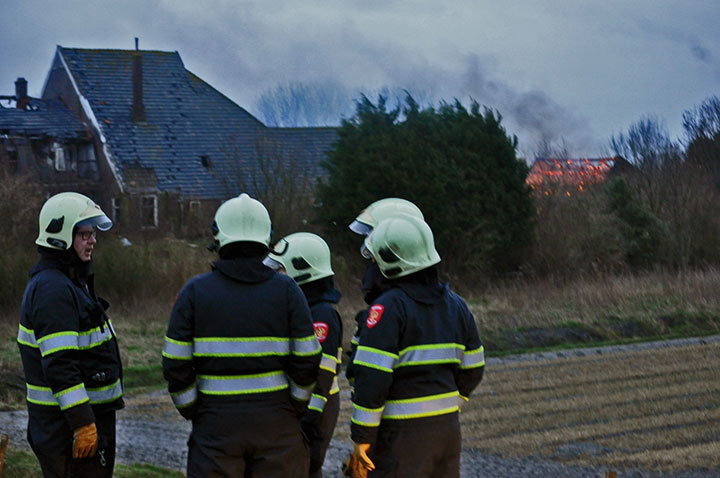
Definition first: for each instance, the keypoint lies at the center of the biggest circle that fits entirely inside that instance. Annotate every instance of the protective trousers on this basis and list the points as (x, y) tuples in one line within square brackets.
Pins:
[(51, 441), (231, 440), (319, 445), (418, 448)]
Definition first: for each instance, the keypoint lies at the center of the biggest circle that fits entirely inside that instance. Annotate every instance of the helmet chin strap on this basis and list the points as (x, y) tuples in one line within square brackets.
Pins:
[(280, 253), (214, 246)]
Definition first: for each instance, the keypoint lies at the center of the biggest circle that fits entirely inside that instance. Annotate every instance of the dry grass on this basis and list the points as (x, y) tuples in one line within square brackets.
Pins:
[(653, 409), (584, 300)]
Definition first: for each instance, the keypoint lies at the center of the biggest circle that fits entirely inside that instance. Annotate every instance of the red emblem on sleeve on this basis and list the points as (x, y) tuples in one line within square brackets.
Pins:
[(321, 331), (376, 312)]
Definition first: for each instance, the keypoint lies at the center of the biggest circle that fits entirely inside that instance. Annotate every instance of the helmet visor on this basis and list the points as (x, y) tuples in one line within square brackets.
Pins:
[(360, 228), (101, 222), (274, 265)]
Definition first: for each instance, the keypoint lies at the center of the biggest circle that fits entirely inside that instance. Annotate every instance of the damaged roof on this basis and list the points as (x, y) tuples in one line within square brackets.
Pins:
[(193, 140), (40, 118)]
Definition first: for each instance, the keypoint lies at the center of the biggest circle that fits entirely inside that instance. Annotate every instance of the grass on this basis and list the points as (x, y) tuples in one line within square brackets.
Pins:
[(520, 316), (23, 464)]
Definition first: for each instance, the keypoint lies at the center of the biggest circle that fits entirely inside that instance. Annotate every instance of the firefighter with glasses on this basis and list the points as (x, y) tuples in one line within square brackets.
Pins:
[(307, 260), (68, 346), (241, 357), (418, 359)]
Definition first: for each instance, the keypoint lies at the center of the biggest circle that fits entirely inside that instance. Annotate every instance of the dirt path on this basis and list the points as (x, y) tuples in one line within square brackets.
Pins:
[(572, 413)]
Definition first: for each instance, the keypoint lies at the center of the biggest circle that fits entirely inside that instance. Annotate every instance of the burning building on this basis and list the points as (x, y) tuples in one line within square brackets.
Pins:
[(568, 174)]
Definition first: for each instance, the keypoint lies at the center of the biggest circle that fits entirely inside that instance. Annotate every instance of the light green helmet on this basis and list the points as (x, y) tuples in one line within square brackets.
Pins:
[(382, 209), (62, 213), (401, 245), (242, 219), (306, 257)]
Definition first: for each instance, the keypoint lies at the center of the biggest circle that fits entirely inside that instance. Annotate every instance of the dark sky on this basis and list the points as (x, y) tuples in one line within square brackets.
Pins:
[(566, 71)]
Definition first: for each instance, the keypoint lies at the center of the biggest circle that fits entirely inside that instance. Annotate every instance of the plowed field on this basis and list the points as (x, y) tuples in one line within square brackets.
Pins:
[(651, 409)]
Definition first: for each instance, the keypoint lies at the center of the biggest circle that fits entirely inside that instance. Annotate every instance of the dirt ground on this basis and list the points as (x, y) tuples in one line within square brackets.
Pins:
[(643, 410)]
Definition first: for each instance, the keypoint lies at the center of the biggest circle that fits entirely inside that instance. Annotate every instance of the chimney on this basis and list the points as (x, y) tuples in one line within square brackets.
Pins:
[(21, 96), (138, 109)]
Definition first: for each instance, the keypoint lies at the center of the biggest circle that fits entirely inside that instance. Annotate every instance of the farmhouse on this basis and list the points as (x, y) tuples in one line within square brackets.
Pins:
[(154, 144)]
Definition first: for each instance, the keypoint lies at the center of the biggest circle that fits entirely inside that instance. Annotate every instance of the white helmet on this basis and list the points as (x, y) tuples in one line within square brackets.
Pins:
[(401, 245), (306, 257), (242, 219), (382, 209), (62, 213)]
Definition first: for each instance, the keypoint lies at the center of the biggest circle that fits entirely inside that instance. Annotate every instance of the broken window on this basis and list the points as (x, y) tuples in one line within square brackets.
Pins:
[(12, 161), (59, 156), (149, 211), (115, 206), (86, 163)]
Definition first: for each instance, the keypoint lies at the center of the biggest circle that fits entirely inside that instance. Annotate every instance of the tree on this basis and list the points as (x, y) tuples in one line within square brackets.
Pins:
[(648, 147), (458, 165), (273, 174), (676, 186), (305, 104), (642, 231), (702, 130), (322, 104)]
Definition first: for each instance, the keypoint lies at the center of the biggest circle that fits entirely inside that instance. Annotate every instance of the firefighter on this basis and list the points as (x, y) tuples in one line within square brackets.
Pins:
[(241, 357), (372, 282), (418, 359), (68, 346), (307, 260)]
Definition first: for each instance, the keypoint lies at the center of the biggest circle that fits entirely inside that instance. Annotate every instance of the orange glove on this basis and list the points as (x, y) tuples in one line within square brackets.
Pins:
[(85, 441), (352, 468), (360, 451)]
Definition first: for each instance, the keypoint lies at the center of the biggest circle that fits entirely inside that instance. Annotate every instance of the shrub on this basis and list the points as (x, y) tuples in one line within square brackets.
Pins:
[(20, 203), (575, 235)]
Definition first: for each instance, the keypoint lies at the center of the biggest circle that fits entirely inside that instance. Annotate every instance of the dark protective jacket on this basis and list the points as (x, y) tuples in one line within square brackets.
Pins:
[(373, 286), (320, 421), (419, 355), (328, 330), (240, 333), (68, 347)]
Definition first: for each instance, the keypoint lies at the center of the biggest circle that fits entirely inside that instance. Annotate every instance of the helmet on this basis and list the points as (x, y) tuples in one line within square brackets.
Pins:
[(242, 219), (63, 212), (401, 245), (306, 257), (381, 209)]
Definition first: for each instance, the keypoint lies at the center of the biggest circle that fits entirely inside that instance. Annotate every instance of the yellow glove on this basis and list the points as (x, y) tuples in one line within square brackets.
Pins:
[(85, 441)]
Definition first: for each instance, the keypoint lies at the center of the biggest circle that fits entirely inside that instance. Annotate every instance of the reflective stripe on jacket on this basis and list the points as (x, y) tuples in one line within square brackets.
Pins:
[(239, 331), (419, 355), (68, 347)]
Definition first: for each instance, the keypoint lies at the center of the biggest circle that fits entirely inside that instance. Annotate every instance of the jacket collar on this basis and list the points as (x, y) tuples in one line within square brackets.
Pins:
[(322, 290), (66, 262), (250, 270), (423, 293)]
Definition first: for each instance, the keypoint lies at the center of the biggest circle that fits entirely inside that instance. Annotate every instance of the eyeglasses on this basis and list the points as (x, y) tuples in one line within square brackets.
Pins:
[(85, 235)]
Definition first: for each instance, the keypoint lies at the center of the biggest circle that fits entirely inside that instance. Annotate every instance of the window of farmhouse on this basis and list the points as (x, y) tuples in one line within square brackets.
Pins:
[(115, 210), (148, 211)]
